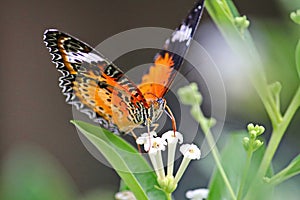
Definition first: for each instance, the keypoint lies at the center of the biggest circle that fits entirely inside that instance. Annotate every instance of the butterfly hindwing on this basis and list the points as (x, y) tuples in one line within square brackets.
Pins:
[(94, 85), (157, 81)]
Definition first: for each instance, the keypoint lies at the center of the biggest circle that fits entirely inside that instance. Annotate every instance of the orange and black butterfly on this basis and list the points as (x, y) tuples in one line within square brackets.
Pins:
[(100, 89)]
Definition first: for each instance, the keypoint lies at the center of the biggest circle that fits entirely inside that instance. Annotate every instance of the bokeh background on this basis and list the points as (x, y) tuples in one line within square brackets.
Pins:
[(34, 126)]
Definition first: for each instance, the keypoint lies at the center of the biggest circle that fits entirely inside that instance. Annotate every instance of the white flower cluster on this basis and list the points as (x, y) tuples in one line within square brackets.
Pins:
[(155, 145)]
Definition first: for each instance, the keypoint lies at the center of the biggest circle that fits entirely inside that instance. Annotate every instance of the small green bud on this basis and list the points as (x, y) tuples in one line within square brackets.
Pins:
[(211, 122), (250, 127), (241, 23), (261, 130), (295, 16), (255, 131), (275, 87), (253, 134), (167, 184), (162, 182), (190, 95), (257, 144), (171, 185), (246, 143), (266, 179)]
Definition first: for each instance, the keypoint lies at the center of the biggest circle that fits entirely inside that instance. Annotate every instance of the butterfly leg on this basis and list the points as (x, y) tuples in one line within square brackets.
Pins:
[(155, 126), (135, 138), (149, 135)]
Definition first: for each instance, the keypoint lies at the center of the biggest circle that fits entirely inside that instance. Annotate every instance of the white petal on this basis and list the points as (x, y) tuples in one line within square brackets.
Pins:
[(140, 141), (190, 151), (155, 144), (171, 138), (198, 194), (144, 137), (125, 195)]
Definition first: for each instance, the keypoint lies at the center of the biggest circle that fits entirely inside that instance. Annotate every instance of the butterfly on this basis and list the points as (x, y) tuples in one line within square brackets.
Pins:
[(100, 89)]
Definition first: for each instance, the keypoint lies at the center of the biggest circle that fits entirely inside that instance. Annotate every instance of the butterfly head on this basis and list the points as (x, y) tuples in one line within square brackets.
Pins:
[(155, 110), (159, 107)]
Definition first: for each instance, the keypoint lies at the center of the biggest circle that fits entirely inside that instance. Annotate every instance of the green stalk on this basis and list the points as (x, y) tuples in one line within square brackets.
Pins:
[(225, 22), (277, 179), (215, 152), (275, 139), (278, 133), (246, 44), (169, 196), (243, 43), (245, 173)]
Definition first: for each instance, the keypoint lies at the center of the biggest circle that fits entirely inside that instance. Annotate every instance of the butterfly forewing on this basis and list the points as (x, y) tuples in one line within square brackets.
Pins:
[(94, 85), (157, 81)]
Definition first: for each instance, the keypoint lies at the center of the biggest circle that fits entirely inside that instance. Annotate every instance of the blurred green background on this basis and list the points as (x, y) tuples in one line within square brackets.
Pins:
[(41, 155)]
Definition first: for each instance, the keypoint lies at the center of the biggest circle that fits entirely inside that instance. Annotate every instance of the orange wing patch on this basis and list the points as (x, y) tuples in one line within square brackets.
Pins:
[(156, 82), (104, 100), (167, 62)]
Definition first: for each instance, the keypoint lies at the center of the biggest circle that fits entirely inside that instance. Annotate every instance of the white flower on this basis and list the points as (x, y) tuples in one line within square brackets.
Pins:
[(172, 138), (145, 137), (198, 194), (125, 195), (190, 151), (153, 145)]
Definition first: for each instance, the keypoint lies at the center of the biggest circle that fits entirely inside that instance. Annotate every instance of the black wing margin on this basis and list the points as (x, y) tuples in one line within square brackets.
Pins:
[(168, 61)]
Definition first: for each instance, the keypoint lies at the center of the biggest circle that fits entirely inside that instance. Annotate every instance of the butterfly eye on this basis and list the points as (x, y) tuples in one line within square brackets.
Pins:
[(161, 102)]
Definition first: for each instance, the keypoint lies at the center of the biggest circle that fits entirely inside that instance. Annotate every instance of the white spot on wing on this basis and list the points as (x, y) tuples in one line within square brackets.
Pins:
[(87, 57), (183, 34)]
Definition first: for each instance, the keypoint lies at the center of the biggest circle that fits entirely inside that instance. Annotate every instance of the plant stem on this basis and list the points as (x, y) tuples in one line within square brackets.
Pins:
[(243, 43), (225, 23), (277, 179), (244, 177), (169, 196), (215, 152), (275, 139), (278, 133), (229, 31)]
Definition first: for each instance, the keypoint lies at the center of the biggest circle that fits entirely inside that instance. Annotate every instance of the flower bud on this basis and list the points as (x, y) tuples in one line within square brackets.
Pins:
[(295, 16), (257, 144), (241, 22), (246, 143)]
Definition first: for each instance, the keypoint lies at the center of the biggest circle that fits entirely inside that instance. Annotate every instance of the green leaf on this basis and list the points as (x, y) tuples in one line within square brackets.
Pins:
[(233, 159), (123, 186), (233, 9), (128, 163), (31, 174), (291, 170), (297, 57)]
